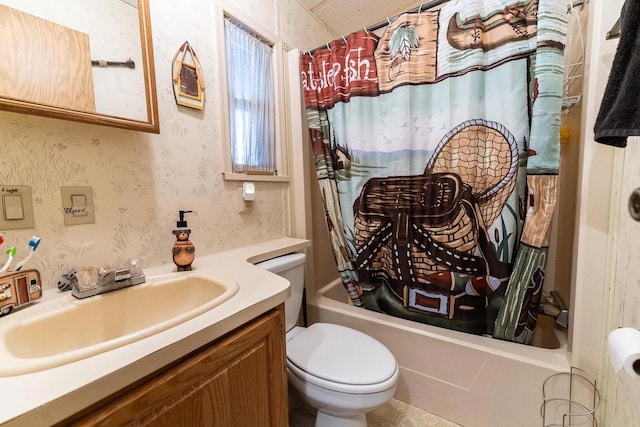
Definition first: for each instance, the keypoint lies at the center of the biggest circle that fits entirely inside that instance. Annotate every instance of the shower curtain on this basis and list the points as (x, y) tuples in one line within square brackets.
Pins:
[(436, 145)]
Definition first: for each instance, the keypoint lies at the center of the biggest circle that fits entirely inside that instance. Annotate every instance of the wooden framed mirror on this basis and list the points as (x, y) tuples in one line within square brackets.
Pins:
[(88, 62)]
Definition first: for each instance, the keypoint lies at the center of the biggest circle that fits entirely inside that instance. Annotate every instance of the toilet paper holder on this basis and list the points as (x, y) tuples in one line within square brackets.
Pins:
[(634, 204), (624, 350)]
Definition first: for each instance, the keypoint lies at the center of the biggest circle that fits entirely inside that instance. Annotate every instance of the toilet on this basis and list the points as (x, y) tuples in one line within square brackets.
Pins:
[(339, 371)]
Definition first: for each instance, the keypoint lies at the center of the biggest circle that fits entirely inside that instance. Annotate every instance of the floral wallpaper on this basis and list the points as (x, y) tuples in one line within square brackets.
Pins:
[(140, 181)]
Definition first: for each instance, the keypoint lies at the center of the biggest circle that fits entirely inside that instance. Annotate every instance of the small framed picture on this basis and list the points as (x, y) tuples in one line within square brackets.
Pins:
[(188, 80)]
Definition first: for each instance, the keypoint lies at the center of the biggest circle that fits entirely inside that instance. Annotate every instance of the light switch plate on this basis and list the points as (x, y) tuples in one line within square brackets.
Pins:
[(16, 207), (77, 205)]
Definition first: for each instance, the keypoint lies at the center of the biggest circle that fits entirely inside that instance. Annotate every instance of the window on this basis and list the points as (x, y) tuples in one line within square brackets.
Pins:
[(252, 100)]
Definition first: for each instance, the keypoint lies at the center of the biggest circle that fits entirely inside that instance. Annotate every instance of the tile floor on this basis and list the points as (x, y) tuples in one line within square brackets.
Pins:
[(394, 414), (397, 413)]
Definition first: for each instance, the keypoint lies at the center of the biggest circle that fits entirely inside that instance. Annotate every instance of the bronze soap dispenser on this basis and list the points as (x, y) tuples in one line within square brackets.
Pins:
[(183, 249)]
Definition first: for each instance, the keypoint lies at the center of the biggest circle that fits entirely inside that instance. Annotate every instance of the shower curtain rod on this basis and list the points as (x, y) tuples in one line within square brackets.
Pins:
[(424, 6)]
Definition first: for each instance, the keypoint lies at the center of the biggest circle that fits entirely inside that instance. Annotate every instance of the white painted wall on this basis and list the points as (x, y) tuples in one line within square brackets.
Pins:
[(606, 287), (621, 393)]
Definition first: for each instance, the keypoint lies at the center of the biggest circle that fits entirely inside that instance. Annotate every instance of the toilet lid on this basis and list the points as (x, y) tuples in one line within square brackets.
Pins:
[(341, 355)]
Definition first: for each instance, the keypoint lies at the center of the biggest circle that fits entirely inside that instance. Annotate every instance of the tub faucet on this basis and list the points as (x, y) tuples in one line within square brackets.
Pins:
[(553, 305), (110, 280)]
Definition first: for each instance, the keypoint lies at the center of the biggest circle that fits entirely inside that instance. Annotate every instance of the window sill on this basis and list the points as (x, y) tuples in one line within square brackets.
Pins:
[(246, 177)]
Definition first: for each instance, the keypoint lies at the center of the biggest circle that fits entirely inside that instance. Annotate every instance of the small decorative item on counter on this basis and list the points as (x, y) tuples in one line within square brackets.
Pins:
[(183, 249), (188, 80), (18, 288), (67, 280)]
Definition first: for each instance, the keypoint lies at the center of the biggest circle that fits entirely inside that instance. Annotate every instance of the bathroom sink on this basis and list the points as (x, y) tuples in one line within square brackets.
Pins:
[(68, 329)]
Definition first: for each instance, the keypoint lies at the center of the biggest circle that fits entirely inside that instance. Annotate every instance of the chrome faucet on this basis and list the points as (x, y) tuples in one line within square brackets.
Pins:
[(108, 280)]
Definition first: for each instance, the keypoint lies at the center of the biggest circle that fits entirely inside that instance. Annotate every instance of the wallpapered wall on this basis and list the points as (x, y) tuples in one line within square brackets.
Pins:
[(606, 285), (140, 180)]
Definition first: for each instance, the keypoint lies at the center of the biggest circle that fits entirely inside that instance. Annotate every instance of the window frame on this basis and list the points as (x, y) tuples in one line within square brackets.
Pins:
[(279, 78)]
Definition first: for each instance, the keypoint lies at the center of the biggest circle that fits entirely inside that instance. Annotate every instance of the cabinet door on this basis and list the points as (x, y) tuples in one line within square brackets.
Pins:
[(239, 380)]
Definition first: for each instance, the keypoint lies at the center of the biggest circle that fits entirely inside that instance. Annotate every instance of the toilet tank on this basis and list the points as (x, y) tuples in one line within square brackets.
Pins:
[(291, 267)]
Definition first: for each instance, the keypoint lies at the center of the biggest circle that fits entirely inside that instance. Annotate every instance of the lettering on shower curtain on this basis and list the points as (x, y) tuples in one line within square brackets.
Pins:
[(346, 68)]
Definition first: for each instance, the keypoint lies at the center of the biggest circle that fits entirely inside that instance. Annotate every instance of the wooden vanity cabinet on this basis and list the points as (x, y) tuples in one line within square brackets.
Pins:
[(238, 380)]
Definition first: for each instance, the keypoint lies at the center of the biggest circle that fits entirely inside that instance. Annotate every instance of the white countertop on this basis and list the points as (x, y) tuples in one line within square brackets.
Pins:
[(50, 396)]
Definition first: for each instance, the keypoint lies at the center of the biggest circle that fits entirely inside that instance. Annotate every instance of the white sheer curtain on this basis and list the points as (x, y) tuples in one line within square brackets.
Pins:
[(251, 101)]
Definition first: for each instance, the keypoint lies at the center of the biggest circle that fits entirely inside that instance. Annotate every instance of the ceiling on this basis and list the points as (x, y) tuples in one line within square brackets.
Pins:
[(346, 16)]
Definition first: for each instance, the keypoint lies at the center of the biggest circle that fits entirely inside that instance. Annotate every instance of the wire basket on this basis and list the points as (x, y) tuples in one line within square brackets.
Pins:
[(570, 399)]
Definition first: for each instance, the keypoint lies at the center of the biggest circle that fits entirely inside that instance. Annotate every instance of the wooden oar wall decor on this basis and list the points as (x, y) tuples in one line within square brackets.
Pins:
[(188, 79)]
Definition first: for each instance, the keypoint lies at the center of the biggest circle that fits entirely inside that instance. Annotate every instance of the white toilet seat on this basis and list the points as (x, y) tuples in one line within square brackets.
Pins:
[(341, 359)]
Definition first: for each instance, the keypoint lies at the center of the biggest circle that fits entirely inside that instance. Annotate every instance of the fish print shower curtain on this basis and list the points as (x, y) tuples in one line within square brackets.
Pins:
[(436, 145)]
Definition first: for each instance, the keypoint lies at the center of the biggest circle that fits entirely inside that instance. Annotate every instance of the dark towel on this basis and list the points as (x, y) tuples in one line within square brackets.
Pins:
[(619, 115)]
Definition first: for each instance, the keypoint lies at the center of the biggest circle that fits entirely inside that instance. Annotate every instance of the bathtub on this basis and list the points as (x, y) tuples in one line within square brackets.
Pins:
[(471, 380)]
